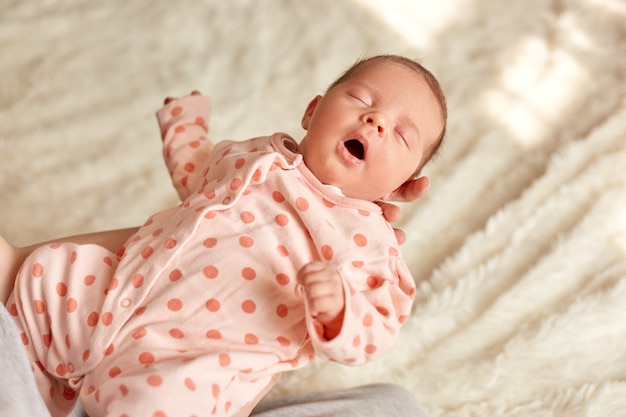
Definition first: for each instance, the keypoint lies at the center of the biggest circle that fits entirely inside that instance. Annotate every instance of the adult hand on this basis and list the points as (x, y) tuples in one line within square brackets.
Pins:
[(409, 191)]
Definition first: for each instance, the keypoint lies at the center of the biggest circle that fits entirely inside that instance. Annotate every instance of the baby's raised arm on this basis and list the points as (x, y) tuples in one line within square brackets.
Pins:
[(184, 130)]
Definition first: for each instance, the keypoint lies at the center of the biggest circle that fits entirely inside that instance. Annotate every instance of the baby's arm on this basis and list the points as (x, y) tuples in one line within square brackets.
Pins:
[(184, 130), (375, 304)]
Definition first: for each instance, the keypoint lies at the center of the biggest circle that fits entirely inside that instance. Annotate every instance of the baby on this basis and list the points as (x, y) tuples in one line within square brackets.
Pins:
[(277, 254)]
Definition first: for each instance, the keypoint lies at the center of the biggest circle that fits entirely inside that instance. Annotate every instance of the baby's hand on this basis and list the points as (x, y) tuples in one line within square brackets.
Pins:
[(324, 294), (193, 93)]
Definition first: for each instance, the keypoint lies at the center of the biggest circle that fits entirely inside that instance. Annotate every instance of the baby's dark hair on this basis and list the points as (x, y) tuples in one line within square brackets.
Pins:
[(418, 68)]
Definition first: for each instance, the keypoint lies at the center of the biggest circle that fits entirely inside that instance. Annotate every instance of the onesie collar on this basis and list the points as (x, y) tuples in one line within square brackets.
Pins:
[(288, 147)]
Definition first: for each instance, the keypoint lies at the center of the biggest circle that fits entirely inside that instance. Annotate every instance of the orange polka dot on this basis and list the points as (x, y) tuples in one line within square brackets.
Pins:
[(209, 195), (146, 358), (282, 250), (115, 371), (107, 260), (47, 340), (302, 204), (109, 350), (107, 318), (282, 310), (37, 270), (72, 305), (177, 333), (61, 289), (191, 386), (89, 280), (213, 305), (176, 111), (139, 333), (61, 369), (147, 252), (69, 394), (247, 217), (123, 390), (281, 220), (175, 275), (327, 252), (373, 282), (256, 177), (368, 320), (175, 304), (394, 252), (155, 381), (13, 309), (210, 242), (138, 280), (68, 343), (40, 307), (357, 264), (383, 311), (224, 359), (240, 163), (283, 341), (402, 319), (86, 355), (356, 341), (210, 271), (179, 129), (213, 334), (364, 213), (248, 273), (370, 349), (140, 311), (328, 203), (278, 197), (170, 243), (360, 240), (282, 279), (251, 339), (92, 319), (248, 306), (189, 167), (215, 390), (235, 183), (246, 241)]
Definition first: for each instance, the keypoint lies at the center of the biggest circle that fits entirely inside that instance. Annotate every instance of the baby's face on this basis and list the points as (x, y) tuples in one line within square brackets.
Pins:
[(369, 134)]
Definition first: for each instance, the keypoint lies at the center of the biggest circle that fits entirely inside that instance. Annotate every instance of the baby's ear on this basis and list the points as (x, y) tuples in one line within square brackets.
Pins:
[(309, 112), (410, 190)]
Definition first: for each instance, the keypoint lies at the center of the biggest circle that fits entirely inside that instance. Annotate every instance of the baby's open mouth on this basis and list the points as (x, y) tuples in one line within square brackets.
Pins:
[(356, 148)]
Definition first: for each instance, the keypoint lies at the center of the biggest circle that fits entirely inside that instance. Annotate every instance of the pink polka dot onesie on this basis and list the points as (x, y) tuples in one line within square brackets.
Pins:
[(200, 311)]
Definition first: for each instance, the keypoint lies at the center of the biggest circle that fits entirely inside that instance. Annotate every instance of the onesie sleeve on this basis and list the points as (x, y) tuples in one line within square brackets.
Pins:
[(186, 147), (376, 307)]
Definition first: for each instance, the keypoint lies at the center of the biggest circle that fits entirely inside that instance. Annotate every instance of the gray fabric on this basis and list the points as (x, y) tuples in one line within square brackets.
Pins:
[(19, 396), (379, 400), (18, 393)]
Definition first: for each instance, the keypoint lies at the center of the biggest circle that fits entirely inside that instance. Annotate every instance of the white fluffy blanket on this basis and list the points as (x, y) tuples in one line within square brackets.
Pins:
[(519, 250)]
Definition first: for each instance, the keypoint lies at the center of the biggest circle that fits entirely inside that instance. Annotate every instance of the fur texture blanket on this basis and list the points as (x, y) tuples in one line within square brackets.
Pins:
[(519, 249)]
